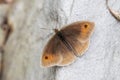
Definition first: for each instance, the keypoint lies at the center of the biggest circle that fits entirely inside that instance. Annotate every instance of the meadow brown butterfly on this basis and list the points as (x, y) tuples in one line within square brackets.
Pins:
[(67, 43)]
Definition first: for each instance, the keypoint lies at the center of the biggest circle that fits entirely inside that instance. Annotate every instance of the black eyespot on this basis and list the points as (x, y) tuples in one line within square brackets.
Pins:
[(46, 57), (85, 25)]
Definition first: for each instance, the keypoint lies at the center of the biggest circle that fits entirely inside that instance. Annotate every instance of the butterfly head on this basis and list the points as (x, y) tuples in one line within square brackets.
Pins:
[(56, 30)]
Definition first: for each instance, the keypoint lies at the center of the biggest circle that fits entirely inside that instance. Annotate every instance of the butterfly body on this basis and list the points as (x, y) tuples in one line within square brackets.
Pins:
[(67, 43)]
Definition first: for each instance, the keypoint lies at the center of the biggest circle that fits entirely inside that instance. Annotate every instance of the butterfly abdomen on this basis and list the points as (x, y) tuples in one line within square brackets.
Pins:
[(67, 43), (60, 36)]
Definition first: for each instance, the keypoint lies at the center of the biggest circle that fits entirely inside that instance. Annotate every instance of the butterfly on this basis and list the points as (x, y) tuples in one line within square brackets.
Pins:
[(67, 44)]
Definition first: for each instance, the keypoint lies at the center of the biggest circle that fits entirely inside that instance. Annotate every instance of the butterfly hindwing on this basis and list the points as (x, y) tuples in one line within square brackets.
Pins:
[(67, 55), (77, 46)]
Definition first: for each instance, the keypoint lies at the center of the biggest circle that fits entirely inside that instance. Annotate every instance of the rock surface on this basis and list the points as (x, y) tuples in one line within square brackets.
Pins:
[(102, 60), (24, 47)]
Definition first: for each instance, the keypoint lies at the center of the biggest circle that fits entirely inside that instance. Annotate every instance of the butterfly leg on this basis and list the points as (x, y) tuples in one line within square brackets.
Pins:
[(43, 38)]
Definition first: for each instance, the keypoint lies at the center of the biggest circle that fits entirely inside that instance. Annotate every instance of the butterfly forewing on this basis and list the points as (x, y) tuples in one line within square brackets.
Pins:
[(79, 30), (51, 54), (77, 35)]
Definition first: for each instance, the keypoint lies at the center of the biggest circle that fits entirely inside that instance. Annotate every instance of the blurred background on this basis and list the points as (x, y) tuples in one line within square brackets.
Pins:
[(22, 40)]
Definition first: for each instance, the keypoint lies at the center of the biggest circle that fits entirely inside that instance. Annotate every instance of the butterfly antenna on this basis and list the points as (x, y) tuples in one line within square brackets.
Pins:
[(107, 5), (46, 29)]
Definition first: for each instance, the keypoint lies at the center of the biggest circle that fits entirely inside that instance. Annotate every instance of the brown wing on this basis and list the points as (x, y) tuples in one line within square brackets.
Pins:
[(77, 35), (80, 30), (55, 52)]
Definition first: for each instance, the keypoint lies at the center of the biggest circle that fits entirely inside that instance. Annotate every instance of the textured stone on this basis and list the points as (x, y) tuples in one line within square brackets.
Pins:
[(24, 47), (102, 60)]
